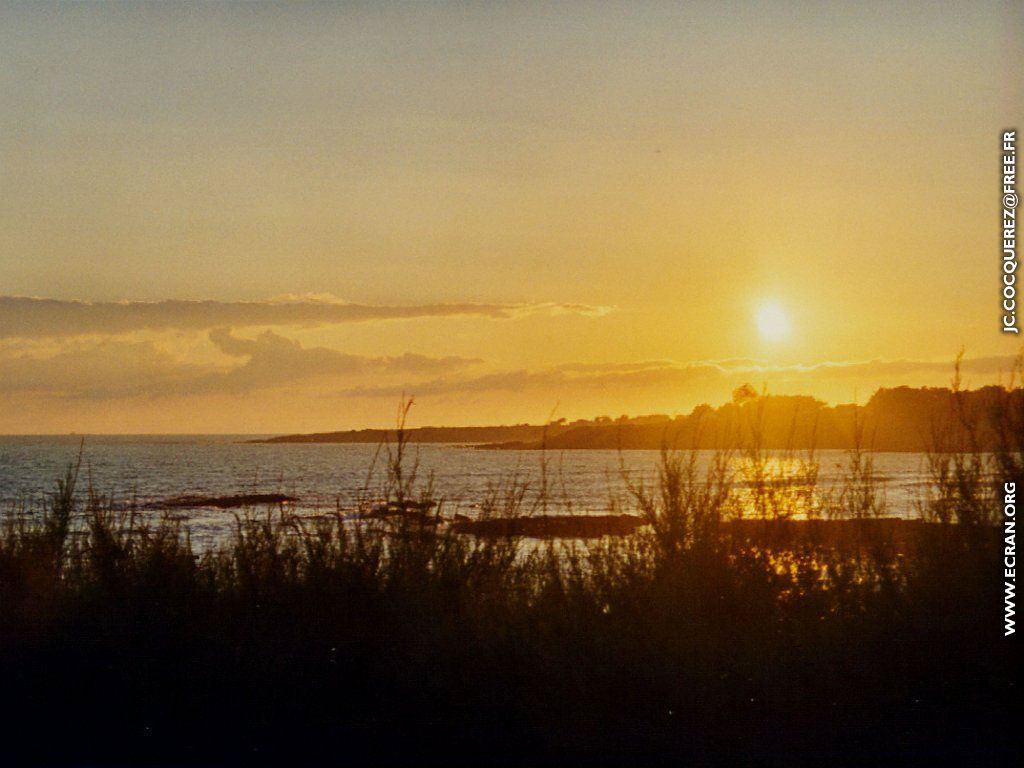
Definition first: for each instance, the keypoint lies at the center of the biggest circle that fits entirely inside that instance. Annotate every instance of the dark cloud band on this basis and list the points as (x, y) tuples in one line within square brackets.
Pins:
[(24, 317)]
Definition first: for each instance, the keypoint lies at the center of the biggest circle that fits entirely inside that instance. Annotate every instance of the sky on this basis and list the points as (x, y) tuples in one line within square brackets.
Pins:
[(285, 217)]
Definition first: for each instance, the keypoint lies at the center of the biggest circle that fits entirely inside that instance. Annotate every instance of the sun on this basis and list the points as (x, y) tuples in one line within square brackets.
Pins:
[(772, 323)]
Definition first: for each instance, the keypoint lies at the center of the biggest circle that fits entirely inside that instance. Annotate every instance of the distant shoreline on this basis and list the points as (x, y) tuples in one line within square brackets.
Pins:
[(899, 420)]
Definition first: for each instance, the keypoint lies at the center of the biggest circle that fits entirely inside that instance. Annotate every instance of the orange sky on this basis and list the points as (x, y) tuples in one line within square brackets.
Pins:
[(509, 212)]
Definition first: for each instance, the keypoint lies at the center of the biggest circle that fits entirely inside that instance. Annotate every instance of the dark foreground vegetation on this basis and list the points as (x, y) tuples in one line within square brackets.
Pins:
[(394, 639)]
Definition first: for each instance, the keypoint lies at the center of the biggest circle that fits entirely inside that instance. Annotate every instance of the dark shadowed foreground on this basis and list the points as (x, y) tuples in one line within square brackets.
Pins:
[(399, 639)]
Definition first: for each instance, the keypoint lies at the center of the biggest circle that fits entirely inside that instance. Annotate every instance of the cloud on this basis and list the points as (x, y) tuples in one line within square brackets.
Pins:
[(879, 368), (662, 374), (105, 371), (113, 369), (615, 376), (24, 317), (273, 360)]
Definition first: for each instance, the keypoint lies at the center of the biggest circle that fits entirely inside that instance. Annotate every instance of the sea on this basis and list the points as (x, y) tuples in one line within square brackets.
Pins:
[(141, 472)]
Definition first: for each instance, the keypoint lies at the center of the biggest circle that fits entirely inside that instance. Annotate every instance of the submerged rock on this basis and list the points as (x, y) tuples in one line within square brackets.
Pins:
[(225, 502), (551, 526)]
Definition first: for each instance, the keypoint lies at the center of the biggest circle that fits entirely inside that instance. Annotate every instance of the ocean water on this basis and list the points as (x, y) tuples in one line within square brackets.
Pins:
[(145, 470)]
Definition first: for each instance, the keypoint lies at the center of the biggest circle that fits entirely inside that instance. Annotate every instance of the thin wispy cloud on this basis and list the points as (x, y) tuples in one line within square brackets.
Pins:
[(27, 317), (661, 374)]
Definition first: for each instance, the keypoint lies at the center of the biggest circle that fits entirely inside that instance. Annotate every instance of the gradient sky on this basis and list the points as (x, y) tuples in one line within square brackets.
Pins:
[(508, 210)]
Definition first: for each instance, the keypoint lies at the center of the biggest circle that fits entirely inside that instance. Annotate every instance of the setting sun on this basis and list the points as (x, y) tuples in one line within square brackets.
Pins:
[(772, 323)]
